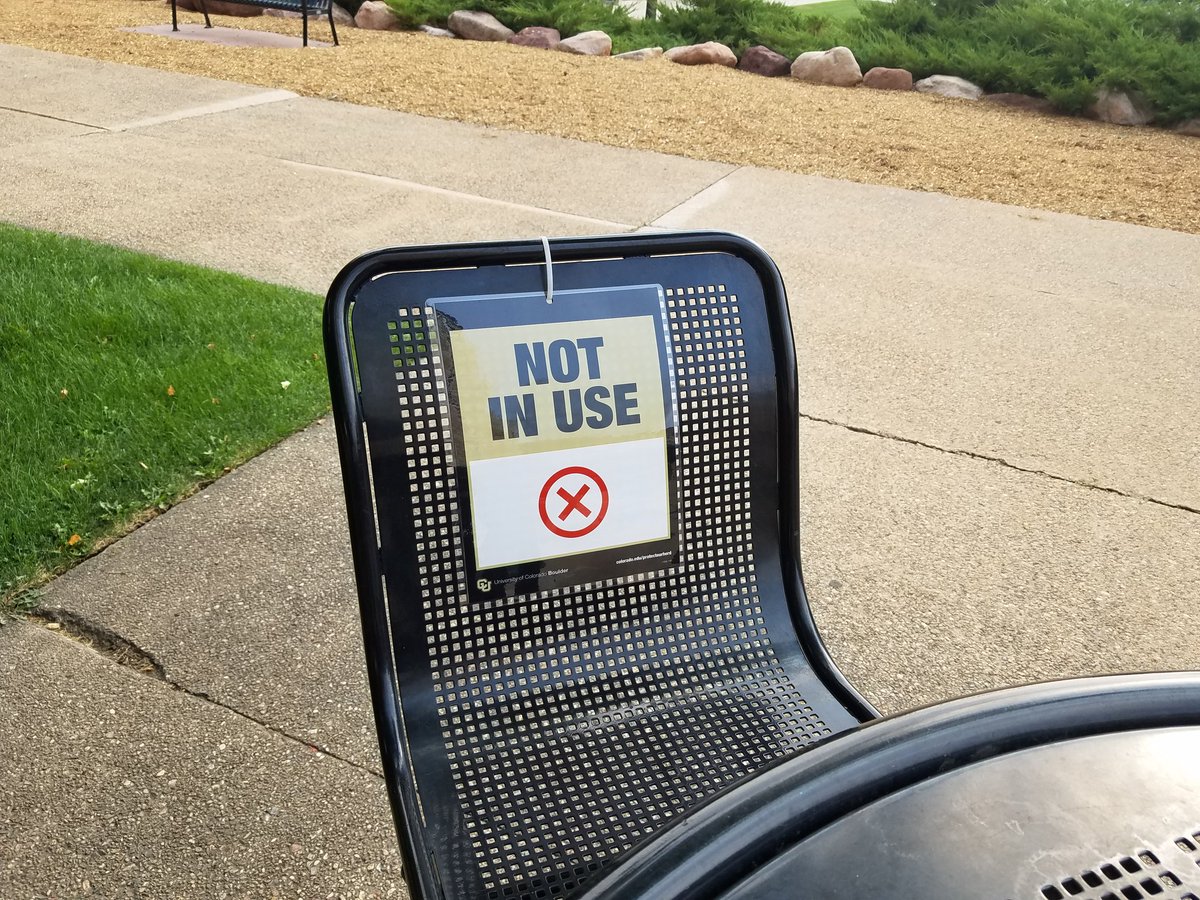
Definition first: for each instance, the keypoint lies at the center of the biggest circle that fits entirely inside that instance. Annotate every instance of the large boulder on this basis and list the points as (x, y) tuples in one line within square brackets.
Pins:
[(478, 26), (587, 43), (836, 66), (1121, 108), (709, 53), (1021, 101), (222, 8), (377, 16), (764, 61), (884, 79), (536, 36), (949, 86), (639, 55), (1191, 128)]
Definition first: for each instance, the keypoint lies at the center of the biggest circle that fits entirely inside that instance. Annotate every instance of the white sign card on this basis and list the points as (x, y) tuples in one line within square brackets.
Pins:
[(564, 422)]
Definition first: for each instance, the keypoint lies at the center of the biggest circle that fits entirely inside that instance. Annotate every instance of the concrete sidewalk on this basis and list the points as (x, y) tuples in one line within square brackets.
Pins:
[(1001, 460)]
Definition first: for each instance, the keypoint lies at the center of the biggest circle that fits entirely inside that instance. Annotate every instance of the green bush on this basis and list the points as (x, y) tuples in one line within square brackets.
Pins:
[(740, 23), (568, 16), (1061, 49), (413, 13), (1064, 50)]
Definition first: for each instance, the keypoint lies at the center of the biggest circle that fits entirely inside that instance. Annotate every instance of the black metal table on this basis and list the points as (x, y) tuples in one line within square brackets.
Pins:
[(1077, 789), (1111, 816)]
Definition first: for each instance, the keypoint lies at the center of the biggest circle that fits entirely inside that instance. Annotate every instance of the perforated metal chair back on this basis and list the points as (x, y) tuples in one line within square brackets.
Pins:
[(574, 526)]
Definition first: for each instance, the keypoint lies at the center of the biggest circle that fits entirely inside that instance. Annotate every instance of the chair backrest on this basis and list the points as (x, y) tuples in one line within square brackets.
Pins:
[(572, 493)]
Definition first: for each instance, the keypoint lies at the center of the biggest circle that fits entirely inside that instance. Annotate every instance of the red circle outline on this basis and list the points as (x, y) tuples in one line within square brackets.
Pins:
[(591, 526)]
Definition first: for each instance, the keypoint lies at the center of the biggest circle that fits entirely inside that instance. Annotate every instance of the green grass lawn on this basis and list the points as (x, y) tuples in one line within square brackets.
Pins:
[(125, 382), (838, 10)]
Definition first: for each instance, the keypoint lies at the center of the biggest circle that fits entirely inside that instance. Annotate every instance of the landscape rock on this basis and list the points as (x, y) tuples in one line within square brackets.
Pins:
[(764, 61), (1191, 128), (434, 31), (222, 8), (375, 15), (706, 54), (882, 78), (639, 55), (1022, 101), (536, 36), (836, 66), (1121, 108), (949, 86), (587, 43), (478, 26), (340, 16)]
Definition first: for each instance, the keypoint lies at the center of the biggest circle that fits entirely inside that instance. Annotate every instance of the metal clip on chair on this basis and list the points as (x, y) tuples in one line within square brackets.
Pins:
[(574, 519)]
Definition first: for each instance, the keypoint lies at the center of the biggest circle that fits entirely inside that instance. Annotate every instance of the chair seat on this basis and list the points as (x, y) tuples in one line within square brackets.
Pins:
[(559, 778)]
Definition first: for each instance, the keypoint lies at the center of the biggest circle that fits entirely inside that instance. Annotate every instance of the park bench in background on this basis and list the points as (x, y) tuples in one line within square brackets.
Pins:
[(304, 7)]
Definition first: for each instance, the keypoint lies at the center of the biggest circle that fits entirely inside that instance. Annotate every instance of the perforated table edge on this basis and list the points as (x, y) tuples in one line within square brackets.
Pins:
[(743, 828)]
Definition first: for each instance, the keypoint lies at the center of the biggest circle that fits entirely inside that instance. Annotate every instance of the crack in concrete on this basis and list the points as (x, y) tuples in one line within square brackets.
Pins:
[(124, 652), (103, 640), (1000, 461)]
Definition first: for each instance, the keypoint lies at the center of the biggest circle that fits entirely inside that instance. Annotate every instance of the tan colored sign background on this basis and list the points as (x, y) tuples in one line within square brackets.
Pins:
[(485, 366)]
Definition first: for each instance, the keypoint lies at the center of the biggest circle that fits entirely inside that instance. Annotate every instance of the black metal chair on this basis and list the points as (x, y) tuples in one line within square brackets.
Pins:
[(558, 673), (304, 7)]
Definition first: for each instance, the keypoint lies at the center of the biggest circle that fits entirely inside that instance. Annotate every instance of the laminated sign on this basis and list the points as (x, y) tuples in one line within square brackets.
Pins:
[(563, 420)]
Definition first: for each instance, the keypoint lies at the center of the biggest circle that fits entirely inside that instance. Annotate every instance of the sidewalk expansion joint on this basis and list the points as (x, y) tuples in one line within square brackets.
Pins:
[(192, 112), (698, 198), (209, 109), (29, 112), (459, 195), (126, 653), (983, 457)]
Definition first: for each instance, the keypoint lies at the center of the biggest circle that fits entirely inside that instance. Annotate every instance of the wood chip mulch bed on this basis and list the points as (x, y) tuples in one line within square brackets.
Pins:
[(1141, 175)]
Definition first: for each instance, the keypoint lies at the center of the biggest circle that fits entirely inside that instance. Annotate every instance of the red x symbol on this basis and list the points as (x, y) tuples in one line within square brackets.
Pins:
[(573, 502), (571, 485)]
